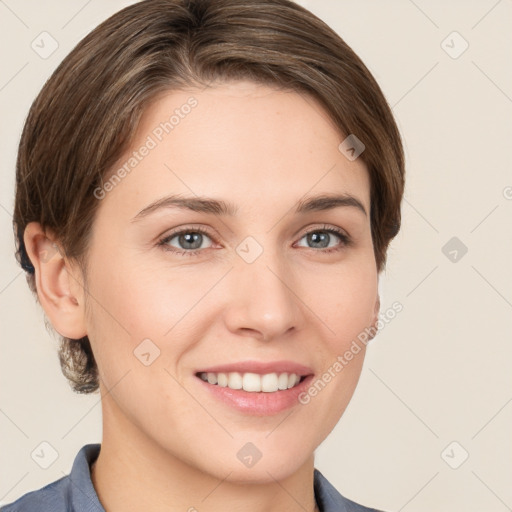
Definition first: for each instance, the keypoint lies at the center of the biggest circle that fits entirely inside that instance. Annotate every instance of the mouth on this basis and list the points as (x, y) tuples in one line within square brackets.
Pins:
[(253, 382), (256, 388)]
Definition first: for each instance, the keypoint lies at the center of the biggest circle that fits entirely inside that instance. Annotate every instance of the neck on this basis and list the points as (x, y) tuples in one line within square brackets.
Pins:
[(133, 473)]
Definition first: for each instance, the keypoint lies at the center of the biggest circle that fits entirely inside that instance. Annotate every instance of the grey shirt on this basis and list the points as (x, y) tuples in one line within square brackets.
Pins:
[(75, 492)]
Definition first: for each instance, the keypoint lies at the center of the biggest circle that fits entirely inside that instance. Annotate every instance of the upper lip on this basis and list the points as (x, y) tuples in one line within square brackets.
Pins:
[(260, 368)]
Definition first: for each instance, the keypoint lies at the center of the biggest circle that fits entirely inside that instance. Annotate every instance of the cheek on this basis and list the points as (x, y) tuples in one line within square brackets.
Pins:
[(344, 299), (132, 304), (346, 304)]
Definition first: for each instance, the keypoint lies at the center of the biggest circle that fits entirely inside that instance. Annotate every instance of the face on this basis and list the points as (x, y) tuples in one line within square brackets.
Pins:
[(243, 286)]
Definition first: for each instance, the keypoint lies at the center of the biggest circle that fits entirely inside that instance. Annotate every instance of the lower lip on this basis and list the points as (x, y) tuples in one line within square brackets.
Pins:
[(258, 403)]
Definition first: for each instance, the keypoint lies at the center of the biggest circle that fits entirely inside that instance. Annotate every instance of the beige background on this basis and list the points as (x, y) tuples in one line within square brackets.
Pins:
[(440, 371)]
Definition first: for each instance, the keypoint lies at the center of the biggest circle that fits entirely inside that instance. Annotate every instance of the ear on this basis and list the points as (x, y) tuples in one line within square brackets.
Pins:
[(59, 284), (375, 319), (376, 309)]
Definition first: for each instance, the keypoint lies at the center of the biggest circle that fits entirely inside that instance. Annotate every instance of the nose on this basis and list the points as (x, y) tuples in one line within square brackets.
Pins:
[(263, 303)]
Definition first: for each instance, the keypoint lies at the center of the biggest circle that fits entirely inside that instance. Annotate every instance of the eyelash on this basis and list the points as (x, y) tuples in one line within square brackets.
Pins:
[(346, 241)]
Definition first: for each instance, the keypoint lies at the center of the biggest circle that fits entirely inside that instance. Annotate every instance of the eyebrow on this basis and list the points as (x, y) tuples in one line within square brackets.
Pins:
[(222, 208)]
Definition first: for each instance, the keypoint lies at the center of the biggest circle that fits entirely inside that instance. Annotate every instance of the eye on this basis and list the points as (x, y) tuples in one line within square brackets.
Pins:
[(189, 240), (322, 239)]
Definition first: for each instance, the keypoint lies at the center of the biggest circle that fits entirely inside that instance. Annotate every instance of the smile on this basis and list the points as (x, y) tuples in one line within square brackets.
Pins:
[(253, 382)]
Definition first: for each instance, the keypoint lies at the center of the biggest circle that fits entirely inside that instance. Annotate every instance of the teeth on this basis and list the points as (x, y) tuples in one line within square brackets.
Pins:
[(269, 382), (222, 380), (234, 380), (252, 382), (282, 381)]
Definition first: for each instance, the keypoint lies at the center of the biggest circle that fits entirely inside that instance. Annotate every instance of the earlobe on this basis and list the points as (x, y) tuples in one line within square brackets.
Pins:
[(375, 316), (377, 308), (59, 291)]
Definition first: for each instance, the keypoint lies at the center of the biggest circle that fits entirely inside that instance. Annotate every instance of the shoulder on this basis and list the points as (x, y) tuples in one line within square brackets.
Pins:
[(330, 500), (54, 496), (72, 492)]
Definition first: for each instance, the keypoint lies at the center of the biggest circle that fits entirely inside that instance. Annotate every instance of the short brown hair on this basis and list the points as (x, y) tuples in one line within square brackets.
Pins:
[(87, 113)]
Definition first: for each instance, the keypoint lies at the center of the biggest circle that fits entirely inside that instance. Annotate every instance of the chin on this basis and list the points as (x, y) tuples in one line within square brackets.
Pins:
[(269, 467)]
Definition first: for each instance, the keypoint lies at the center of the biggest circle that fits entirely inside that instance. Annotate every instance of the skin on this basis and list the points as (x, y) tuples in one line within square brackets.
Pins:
[(167, 445)]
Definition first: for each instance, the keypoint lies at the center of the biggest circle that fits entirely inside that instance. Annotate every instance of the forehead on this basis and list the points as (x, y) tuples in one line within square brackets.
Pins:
[(251, 143)]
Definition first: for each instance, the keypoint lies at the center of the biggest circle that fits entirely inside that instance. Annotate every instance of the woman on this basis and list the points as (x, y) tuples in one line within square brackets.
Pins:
[(206, 190)]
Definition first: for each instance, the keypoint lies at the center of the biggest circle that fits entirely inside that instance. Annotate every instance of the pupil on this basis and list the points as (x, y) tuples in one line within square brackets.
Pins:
[(191, 238), (319, 237)]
